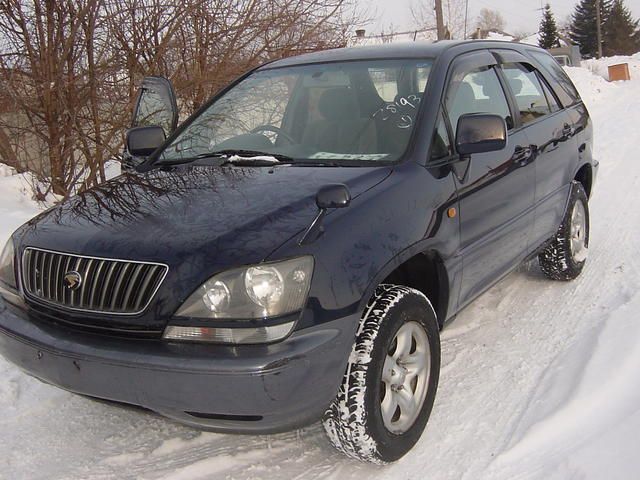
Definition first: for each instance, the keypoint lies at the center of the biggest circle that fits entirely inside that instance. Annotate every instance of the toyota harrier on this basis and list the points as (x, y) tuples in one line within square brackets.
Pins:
[(290, 252)]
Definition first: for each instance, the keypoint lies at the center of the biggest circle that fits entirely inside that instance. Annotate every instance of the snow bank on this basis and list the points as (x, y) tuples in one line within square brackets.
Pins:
[(16, 202), (586, 407), (613, 107), (600, 66)]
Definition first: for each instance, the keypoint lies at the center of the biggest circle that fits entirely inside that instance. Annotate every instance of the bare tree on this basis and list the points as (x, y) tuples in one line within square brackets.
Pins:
[(69, 69), (217, 43), (453, 11), (521, 34), (490, 20), (38, 61)]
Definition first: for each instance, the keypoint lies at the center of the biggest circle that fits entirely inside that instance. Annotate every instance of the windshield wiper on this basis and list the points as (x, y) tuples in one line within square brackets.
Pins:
[(251, 158), (247, 157), (234, 157)]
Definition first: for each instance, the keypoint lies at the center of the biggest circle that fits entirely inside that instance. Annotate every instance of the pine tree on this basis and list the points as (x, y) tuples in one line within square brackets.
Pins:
[(620, 37), (548, 32), (583, 30)]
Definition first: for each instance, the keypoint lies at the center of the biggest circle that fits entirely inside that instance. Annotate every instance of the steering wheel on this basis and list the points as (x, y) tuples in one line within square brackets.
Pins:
[(277, 130)]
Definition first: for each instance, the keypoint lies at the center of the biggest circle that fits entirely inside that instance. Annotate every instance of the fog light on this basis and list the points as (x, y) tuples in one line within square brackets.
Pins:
[(234, 336)]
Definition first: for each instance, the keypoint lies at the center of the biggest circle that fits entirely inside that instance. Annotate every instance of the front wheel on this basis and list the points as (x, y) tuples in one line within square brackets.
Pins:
[(565, 256), (390, 383)]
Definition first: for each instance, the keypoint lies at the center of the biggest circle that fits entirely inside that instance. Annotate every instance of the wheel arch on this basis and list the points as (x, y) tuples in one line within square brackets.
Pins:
[(584, 176), (423, 270)]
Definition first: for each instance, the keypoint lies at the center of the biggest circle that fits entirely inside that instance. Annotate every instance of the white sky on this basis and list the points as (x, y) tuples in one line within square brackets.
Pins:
[(520, 15)]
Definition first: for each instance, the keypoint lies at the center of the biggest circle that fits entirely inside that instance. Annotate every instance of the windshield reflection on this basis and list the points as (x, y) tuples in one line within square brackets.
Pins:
[(353, 111)]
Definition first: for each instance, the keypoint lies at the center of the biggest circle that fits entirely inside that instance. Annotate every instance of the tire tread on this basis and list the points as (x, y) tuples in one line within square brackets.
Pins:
[(345, 421), (556, 260)]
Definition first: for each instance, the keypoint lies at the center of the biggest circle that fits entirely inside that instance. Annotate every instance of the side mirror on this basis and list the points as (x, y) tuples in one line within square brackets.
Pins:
[(143, 141), (333, 196), (480, 133), (156, 105)]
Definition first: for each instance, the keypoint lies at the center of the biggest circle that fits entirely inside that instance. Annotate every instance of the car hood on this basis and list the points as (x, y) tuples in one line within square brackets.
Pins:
[(214, 216)]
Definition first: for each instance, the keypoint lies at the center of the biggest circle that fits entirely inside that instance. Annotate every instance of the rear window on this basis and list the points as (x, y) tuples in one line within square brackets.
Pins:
[(560, 81)]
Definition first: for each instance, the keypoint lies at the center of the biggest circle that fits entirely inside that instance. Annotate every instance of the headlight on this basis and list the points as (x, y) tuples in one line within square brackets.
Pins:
[(7, 268), (249, 293)]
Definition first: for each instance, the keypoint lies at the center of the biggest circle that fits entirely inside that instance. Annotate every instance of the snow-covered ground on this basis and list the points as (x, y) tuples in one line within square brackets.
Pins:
[(539, 378)]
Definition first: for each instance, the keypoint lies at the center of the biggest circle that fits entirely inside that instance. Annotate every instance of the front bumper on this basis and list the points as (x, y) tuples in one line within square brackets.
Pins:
[(243, 389)]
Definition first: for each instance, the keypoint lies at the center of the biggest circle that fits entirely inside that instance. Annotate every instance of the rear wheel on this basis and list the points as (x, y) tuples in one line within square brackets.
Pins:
[(390, 384), (565, 256)]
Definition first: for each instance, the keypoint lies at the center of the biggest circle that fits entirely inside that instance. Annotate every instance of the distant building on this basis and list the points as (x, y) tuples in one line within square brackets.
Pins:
[(481, 34), (361, 38), (567, 53)]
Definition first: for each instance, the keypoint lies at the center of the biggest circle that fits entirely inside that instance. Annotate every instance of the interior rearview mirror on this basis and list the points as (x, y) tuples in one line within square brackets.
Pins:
[(143, 141), (480, 133)]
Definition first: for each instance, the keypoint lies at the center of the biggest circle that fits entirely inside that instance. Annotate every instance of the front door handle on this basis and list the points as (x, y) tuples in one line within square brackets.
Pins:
[(522, 155)]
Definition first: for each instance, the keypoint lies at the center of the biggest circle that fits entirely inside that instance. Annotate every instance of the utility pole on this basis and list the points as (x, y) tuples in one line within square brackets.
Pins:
[(439, 20), (466, 16), (599, 28)]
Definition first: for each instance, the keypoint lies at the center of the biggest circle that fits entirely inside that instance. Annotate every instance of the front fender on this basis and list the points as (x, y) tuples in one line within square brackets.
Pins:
[(362, 244)]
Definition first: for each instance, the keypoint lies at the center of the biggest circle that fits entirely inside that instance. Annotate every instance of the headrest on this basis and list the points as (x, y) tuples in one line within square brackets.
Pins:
[(338, 104), (465, 94), (516, 85)]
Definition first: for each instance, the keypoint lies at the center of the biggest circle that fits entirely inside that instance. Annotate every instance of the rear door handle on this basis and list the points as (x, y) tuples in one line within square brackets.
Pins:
[(567, 130)]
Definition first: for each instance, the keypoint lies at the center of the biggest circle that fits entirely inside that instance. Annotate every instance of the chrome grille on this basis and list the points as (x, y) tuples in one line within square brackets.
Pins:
[(112, 286)]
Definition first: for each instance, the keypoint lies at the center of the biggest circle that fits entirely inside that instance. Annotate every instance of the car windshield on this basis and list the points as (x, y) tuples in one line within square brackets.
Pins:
[(355, 112)]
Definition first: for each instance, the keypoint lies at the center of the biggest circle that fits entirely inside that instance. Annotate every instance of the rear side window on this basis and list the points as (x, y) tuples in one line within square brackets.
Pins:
[(528, 92), (477, 91), (558, 78)]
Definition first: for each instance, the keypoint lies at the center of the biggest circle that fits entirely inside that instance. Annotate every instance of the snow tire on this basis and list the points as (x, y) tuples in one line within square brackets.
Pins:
[(354, 421), (557, 261)]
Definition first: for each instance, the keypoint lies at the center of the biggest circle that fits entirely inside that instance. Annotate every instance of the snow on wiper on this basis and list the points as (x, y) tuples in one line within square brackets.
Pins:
[(247, 157)]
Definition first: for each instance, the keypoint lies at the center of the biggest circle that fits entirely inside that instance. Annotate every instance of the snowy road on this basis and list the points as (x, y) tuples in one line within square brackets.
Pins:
[(539, 378)]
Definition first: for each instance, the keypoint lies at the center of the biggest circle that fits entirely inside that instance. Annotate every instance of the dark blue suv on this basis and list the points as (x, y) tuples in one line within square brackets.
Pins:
[(291, 251)]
